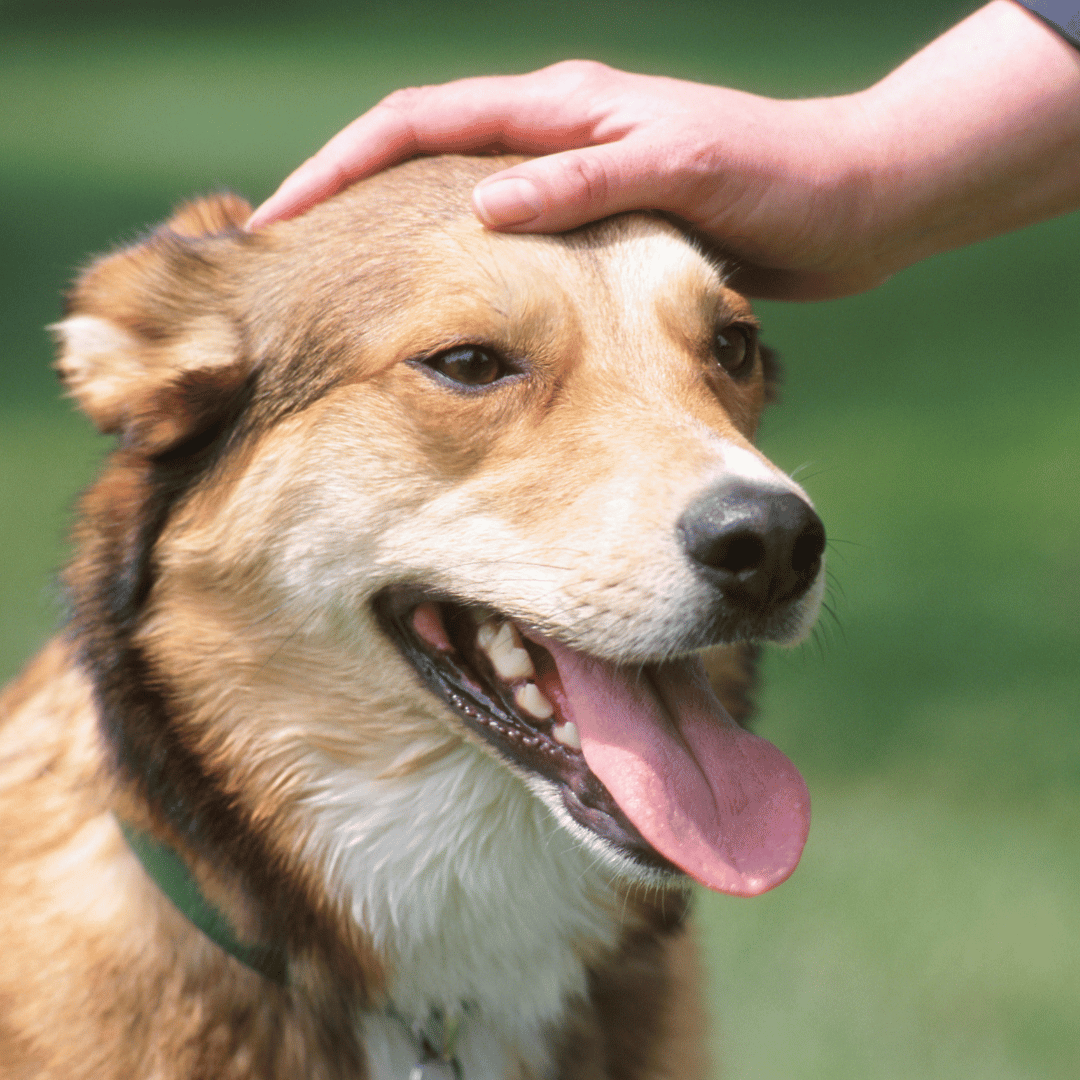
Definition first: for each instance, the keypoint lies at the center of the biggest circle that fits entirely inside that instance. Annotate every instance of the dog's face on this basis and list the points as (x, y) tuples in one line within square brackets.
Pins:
[(500, 487)]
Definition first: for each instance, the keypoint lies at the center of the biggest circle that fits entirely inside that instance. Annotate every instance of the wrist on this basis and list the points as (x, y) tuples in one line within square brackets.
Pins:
[(892, 183), (975, 135), (848, 230)]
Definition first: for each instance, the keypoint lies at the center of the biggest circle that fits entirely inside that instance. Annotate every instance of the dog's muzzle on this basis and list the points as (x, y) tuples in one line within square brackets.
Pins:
[(760, 546)]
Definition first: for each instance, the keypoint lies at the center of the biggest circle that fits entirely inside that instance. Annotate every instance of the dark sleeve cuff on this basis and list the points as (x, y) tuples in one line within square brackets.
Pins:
[(1060, 15)]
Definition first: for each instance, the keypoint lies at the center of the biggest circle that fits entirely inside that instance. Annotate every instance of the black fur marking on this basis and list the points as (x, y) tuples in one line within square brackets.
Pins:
[(133, 704), (614, 1032), (111, 580), (171, 475)]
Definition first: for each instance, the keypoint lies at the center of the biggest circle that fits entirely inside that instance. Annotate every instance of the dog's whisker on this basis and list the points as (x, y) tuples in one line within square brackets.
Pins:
[(831, 612), (836, 585)]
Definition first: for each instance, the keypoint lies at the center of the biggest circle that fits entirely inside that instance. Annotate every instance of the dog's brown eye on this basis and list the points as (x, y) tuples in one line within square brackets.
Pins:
[(734, 350), (468, 366)]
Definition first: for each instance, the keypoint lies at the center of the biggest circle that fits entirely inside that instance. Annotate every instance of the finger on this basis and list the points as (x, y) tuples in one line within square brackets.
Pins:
[(568, 189), (520, 113)]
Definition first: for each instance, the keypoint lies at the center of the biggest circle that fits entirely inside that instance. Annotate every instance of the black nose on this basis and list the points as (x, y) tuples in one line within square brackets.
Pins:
[(758, 545)]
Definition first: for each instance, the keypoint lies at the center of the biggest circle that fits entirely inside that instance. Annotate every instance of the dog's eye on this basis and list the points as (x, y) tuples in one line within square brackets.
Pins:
[(733, 347), (468, 365)]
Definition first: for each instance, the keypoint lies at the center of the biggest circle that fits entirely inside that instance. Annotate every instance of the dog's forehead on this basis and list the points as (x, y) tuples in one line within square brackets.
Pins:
[(625, 266), (413, 223), (399, 268)]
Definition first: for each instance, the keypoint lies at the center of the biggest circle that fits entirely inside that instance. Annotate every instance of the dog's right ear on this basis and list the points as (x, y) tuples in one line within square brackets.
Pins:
[(149, 344)]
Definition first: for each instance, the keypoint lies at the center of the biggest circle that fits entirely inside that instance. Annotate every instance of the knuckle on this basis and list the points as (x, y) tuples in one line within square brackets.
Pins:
[(588, 176), (577, 74), (405, 99), (339, 175), (698, 160)]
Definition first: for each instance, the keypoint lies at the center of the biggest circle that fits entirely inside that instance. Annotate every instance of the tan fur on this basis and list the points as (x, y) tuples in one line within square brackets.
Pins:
[(240, 595)]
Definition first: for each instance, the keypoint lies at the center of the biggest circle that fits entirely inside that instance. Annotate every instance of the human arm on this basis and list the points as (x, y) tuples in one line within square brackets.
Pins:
[(977, 134)]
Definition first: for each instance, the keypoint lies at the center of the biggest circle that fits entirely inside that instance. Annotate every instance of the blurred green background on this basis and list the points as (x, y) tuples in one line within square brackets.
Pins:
[(933, 928)]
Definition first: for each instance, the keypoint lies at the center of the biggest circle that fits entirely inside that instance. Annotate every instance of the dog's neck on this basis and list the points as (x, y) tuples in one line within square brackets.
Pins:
[(433, 1042), (467, 886), (458, 876)]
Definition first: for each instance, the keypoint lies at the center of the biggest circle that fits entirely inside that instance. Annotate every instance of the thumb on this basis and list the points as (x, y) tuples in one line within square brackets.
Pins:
[(562, 191)]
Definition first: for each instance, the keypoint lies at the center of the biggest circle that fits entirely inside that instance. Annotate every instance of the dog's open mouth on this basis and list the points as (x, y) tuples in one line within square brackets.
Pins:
[(644, 756)]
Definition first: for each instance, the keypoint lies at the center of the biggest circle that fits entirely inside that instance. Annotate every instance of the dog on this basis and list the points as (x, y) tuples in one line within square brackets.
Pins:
[(379, 742)]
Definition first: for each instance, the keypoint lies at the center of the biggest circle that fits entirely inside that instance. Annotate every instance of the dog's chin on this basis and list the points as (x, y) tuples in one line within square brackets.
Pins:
[(465, 654)]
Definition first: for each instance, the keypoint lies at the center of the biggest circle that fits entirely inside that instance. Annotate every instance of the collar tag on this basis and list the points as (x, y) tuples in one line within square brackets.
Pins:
[(436, 1041), (436, 1070)]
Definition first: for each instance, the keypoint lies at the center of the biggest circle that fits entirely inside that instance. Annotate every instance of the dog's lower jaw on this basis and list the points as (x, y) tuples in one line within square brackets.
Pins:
[(618, 866), (456, 874)]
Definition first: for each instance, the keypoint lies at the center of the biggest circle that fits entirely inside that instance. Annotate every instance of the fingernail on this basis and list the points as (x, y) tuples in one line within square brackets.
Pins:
[(513, 201)]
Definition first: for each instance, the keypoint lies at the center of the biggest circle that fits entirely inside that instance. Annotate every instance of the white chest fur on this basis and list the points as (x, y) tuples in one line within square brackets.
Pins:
[(471, 890)]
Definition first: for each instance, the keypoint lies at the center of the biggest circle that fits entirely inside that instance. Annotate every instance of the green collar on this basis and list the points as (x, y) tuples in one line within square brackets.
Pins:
[(435, 1039), (173, 878)]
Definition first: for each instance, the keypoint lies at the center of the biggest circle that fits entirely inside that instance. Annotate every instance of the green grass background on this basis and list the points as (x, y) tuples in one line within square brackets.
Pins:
[(933, 928)]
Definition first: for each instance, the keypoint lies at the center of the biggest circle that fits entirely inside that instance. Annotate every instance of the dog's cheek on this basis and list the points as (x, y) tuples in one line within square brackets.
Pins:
[(304, 511), (747, 415), (743, 403)]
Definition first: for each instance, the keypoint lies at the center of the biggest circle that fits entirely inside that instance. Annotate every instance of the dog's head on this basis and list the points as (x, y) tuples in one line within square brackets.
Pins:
[(440, 479)]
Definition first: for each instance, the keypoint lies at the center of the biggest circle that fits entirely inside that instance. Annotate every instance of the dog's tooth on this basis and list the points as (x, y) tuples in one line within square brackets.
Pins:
[(504, 649), (485, 633), (567, 734), (530, 700), (513, 664), (506, 638)]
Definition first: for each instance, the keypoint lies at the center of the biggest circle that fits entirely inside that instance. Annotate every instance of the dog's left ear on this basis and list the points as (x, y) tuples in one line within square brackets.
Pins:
[(150, 349)]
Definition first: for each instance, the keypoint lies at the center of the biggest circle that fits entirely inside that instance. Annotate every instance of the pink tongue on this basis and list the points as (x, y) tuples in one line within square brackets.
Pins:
[(725, 806)]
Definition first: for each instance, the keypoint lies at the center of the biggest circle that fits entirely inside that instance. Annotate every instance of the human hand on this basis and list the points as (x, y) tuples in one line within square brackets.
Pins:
[(770, 181), (811, 199)]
